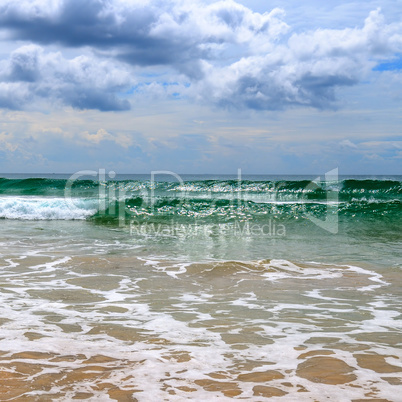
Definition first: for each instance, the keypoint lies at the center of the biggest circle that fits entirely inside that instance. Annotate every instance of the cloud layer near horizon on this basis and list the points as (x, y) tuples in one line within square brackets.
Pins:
[(221, 53)]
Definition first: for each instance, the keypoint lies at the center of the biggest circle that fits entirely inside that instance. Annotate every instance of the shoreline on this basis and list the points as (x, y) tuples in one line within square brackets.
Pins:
[(123, 328)]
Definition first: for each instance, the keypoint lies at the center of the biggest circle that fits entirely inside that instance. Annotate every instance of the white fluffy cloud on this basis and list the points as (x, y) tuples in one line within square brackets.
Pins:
[(229, 55), (31, 74), (305, 70)]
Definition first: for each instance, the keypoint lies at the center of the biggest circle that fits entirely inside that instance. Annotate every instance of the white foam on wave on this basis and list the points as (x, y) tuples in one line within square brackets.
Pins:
[(170, 269), (373, 276), (45, 208), (284, 269)]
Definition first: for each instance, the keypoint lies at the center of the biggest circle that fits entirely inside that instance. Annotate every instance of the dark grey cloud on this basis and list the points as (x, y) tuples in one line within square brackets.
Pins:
[(255, 93), (90, 23), (143, 33), (308, 90)]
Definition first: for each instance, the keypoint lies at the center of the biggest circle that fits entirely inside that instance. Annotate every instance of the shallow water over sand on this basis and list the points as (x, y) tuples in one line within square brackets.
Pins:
[(111, 321)]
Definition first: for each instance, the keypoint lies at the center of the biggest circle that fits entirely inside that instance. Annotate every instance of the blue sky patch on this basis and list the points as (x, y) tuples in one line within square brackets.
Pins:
[(390, 65)]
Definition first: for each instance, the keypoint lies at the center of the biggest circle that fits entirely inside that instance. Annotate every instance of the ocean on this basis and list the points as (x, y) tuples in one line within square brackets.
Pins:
[(173, 287)]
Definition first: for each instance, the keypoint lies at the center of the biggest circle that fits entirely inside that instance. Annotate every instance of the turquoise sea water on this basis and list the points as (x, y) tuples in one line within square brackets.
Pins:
[(223, 218), (201, 287)]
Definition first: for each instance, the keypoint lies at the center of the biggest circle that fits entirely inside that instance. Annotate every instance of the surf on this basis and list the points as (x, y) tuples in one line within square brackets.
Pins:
[(204, 199)]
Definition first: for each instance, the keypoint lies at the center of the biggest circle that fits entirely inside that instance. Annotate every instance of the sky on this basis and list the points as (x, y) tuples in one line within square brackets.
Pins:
[(134, 86)]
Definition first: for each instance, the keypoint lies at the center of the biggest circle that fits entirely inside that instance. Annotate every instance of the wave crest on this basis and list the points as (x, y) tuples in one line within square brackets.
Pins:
[(40, 208)]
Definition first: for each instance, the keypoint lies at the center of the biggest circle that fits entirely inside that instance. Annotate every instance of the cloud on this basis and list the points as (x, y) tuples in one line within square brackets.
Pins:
[(305, 71), (123, 140), (376, 149), (6, 142), (220, 53), (347, 144), (141, 33), (82, 82)]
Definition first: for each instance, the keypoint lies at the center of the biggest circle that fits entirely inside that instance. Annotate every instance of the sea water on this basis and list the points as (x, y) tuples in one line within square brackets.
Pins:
[(203, 288)]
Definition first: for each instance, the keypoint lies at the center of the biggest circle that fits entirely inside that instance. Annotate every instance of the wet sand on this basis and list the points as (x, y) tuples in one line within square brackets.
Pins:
[(34, 376), (121, 328)]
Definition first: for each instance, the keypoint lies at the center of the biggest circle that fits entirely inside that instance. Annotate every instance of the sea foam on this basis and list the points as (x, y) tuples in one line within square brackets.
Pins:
[(44, 208)]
